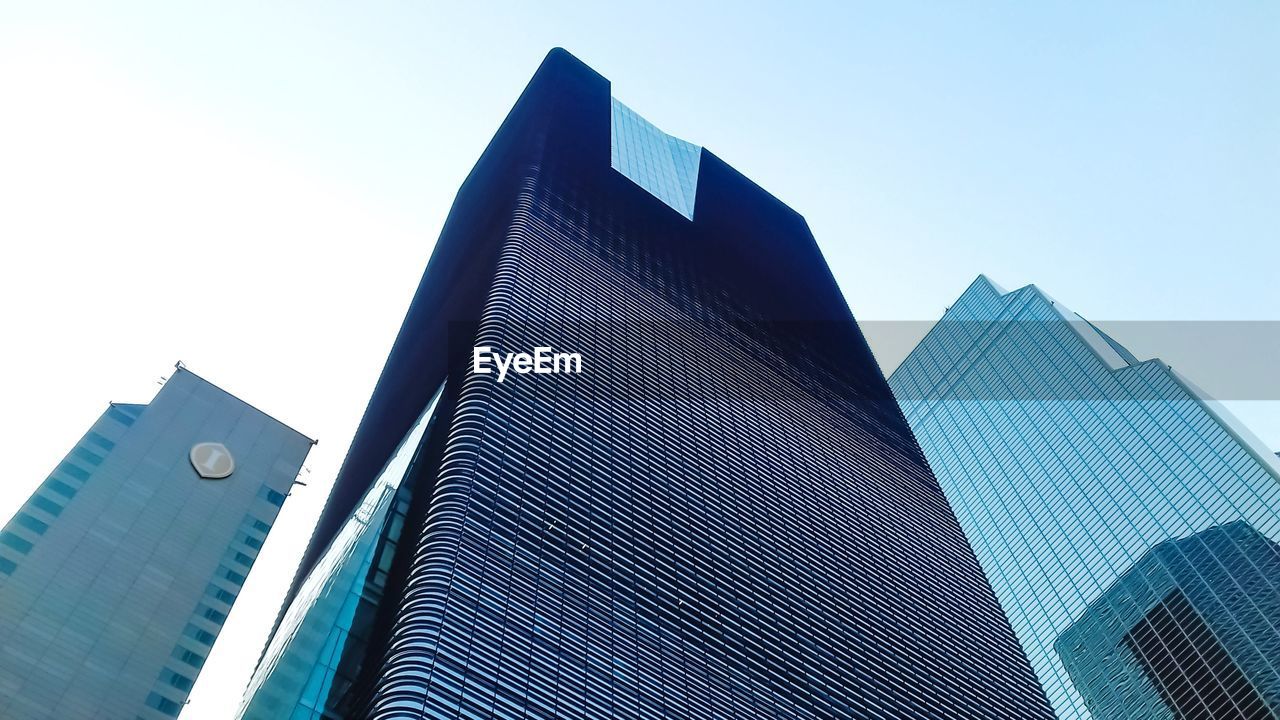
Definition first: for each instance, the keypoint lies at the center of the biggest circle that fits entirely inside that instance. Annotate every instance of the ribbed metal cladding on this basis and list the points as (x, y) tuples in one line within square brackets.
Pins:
[(703, 524)]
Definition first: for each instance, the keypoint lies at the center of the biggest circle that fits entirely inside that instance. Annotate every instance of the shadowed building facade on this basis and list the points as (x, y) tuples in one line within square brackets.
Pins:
[(1067, 460), (117, 574), (723, 515)]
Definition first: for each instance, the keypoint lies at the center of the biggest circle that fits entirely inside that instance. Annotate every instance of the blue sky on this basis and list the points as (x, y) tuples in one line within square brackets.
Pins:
[(1123, 156)]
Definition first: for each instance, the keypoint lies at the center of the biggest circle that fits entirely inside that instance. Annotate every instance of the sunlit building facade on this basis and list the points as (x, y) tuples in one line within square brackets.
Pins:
[(117, 575), (723, 515), (1067, 460)]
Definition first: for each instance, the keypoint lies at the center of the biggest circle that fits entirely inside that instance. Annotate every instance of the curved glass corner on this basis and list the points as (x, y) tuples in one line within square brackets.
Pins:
[(308, 663)]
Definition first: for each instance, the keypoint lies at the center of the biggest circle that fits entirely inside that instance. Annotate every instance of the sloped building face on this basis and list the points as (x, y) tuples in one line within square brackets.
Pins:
[(723, 514), (1067, 459)]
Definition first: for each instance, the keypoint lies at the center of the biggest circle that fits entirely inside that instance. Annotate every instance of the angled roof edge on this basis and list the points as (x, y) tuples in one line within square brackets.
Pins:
[(180, 368), (1108, 351), (567, 106), (1157, 554), (418, 348), (1118, 359), (1229, 422)]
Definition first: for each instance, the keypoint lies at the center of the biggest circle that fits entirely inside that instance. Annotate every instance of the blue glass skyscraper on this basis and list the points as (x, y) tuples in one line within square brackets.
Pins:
[(1067, 460), (723, 515)]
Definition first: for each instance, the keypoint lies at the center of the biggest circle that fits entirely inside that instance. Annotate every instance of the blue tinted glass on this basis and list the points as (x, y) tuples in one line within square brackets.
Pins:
[(274, 497), (46, 505), (31, 523), (301, 665), (665, 166), (73, 471), (164, 704), (1067, 462), (15, 542), (96, 438), (1191, 628), (121, 415), (60, 488), (87, 456)]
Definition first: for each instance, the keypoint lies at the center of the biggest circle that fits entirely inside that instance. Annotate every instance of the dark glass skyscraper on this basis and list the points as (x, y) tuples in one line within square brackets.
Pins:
[(724, 514)]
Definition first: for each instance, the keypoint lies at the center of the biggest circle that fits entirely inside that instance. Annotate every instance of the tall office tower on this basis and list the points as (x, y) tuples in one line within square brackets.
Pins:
[(117, 574), (724, 514), (1067, 460), (1191, 631)]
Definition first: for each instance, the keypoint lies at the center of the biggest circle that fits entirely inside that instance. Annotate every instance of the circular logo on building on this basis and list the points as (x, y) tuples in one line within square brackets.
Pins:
[(212, 460)]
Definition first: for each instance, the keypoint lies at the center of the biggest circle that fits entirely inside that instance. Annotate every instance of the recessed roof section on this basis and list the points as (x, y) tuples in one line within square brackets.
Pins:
[(665, 166)]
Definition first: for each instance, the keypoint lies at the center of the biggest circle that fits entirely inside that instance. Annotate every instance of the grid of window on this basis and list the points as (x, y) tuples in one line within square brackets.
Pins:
[(1189, 667), (702, 524), (273, 496), (21, 533), (316, 654), (123, 564), (1066, 460), (725, 515), (1193, 629), (192, 649), (665, 166), (171, 708)]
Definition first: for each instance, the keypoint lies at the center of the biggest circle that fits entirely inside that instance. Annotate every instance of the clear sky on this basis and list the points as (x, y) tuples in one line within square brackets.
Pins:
[(254, 188)]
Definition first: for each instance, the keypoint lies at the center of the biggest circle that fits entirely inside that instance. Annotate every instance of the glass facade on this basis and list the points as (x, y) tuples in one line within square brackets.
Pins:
[(1067, 460), (118, 573), (1191, 631), (315, 654), (723, 515), (665, 166)]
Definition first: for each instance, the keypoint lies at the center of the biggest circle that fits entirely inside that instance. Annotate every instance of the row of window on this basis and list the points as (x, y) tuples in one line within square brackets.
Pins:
[(172, 686), (61, 486)]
